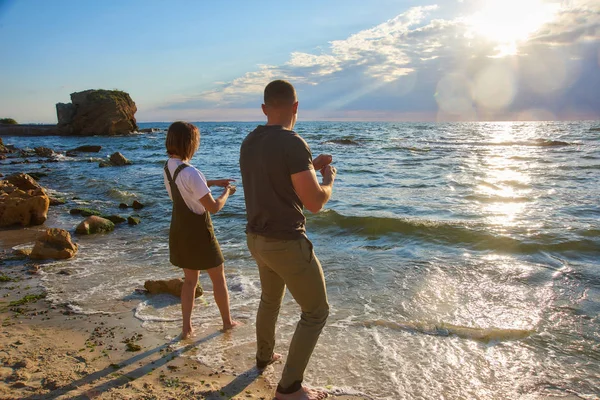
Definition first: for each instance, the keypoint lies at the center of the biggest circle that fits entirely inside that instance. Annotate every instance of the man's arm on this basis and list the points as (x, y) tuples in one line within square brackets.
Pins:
[(312, 194)]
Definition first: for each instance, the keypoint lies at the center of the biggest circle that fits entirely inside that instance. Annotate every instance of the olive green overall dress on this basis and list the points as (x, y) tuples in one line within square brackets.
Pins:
[(192, 241)]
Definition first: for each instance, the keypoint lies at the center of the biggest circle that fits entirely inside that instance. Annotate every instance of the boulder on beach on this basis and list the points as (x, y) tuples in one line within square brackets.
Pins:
[(171, 286), (22, 207), (55, 244), (86, 149), (94, 224), (116, 160), (23, 181), (97, 112)]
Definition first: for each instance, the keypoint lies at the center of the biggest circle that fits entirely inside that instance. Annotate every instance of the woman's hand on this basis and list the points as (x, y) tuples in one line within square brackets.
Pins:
[(220, 182)]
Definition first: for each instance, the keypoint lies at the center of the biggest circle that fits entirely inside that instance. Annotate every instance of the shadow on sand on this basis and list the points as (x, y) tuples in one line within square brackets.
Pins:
[(236, 386)]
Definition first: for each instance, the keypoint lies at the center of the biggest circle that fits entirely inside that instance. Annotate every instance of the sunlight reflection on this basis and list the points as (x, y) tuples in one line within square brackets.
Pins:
[(504, 191)]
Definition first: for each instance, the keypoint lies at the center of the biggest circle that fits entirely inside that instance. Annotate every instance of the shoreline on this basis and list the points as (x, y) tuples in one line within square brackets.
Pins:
[(51, 352)]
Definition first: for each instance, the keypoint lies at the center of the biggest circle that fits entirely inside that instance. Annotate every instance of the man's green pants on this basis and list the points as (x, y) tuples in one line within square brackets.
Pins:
[(290, 263)]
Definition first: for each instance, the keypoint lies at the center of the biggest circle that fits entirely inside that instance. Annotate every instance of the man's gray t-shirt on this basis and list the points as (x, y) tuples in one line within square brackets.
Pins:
[(268, 157)]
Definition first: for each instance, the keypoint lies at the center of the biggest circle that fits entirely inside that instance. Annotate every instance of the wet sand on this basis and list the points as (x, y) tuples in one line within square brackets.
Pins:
[(49, 352)]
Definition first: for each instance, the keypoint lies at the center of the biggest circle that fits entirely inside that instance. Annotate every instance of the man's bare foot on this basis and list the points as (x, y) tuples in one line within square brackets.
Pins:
[(302, 394), (232, 325), (187, 333), (274, 358)]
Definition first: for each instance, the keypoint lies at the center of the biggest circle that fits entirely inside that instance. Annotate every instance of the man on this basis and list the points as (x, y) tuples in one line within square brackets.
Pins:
[(279, 180)]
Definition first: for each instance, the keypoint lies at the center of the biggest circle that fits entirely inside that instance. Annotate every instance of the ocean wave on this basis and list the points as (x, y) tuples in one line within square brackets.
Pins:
[(485, 335), (475, 235), (121, 194)]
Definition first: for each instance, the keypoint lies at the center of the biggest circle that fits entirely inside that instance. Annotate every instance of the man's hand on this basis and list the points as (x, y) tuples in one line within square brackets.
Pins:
[(329, 172), (322, 161), (220, 182)]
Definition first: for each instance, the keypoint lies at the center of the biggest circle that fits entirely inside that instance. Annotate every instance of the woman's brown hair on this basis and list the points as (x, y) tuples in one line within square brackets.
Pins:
[(182, 140)]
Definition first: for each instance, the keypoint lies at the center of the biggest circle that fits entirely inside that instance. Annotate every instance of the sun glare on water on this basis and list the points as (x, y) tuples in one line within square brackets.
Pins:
[(508, 22)]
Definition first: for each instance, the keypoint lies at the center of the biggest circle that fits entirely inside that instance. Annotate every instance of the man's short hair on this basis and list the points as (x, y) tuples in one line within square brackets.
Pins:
[(279, 93), (182, 140)]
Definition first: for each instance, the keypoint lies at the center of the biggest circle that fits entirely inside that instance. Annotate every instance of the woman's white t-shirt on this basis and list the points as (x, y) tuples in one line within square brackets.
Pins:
[(191, 184)]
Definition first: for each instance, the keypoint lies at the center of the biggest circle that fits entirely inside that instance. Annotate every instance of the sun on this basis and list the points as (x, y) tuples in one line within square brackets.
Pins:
[(508, 22)]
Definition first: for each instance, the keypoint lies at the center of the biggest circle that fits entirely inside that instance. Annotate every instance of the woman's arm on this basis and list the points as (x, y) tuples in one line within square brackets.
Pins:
[(212, 205), (219, 182)]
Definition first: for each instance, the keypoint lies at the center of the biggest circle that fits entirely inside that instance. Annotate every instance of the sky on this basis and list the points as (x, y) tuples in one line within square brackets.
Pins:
[(376, 60)]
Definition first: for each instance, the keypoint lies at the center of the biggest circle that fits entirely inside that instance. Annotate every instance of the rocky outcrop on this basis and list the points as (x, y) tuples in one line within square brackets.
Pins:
[(54, 244), (27, 206), (116, 160), (97, 112), (172, 286), (43, 151), (3, 148), (94, 224)]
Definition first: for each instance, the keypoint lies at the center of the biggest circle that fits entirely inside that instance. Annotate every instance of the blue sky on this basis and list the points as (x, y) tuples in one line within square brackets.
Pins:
[(350, 60)]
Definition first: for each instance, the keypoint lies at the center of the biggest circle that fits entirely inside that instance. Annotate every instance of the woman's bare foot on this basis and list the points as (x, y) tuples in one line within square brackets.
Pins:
[(274, 358), (232, 325), (187, 333), (302, 394)]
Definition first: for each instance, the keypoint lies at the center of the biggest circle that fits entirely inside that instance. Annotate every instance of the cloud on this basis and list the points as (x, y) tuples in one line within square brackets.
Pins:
[(415, 64)]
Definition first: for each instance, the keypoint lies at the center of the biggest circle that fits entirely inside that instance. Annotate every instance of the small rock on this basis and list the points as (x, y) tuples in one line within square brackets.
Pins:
[(116, 159), (22, 253), (86, 212), (171, 286), (57, 201), (34, 269), (43, 151), (133, 220), (37, 175), (94, 224), (116, 219), (86, 149), (137, 205)]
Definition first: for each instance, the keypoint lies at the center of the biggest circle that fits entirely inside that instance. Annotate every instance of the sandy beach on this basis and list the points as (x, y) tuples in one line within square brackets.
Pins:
[(50, 352)]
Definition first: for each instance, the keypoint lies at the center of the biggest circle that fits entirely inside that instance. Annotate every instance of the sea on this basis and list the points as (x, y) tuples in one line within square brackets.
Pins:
[(462, 260)]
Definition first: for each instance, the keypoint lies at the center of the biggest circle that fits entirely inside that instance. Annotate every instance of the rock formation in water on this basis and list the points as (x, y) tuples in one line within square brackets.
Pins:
[(22, 201), (116, 160), (94, 224), (171, 286), (97, 112), (54, 243)]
